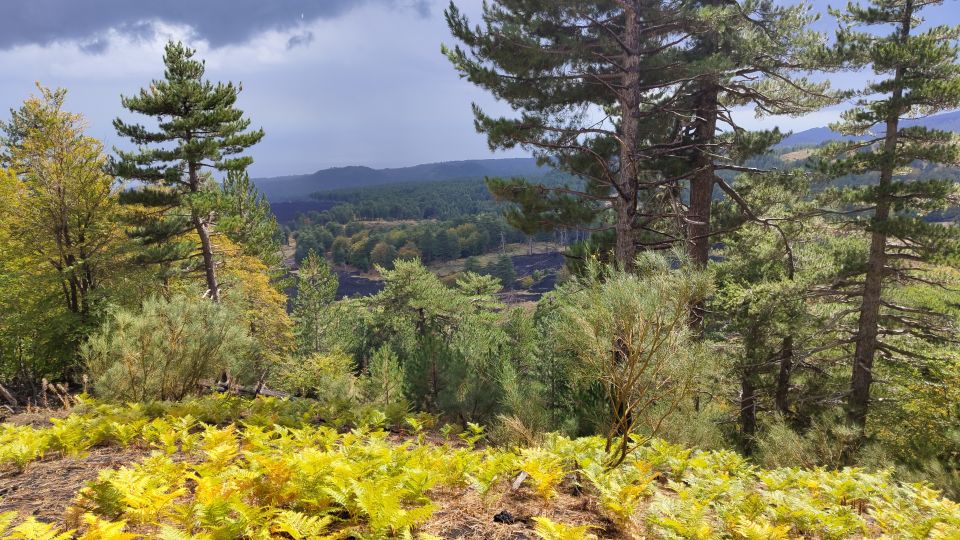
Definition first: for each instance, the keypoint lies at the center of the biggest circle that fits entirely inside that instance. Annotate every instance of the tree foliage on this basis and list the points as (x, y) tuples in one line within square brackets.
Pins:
[(199, 128)]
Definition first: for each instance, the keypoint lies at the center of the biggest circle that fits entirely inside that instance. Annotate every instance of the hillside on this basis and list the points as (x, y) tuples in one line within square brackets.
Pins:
[(224, 467), (300, 187), (817, 136)]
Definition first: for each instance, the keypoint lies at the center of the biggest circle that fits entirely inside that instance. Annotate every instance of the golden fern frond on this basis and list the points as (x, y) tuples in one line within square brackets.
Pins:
[(298, 525), (99, 529), (170, 533), (6, 520), (551, 530), (761, 530), (31, 529)]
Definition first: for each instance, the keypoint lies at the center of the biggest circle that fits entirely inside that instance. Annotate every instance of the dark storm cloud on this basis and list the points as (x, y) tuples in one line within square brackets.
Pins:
[(300, 40), (221, 22)]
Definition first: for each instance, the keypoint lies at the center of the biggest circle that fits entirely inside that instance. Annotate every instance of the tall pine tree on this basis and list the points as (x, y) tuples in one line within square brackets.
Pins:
[(633, 97), (586, 78), (246, 218), (743, 54), (919, 77), (199, 128)]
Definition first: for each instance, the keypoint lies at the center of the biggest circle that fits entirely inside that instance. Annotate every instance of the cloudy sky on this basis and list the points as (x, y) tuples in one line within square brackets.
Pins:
[(333, 82)]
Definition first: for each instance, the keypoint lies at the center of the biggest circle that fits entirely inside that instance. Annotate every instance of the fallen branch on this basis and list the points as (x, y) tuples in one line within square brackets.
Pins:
[(258, 390), (6, 395)]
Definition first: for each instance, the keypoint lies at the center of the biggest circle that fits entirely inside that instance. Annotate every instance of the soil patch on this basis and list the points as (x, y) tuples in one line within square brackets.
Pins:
[(463, 514), (46, 488), (37, 418)]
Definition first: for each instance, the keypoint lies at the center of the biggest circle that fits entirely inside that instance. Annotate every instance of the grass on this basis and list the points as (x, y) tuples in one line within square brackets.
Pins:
[(449, 268)]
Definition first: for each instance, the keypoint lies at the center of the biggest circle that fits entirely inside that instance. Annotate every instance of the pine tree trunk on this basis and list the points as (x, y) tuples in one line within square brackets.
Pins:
[(868, 326), (748, 407), (783, 377), (206, 246), (749, 376), (701, 189), (625, 204)]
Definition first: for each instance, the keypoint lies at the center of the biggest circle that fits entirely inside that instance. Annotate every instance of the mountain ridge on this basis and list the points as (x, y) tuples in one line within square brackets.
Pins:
[(816, 136), (299, 187)]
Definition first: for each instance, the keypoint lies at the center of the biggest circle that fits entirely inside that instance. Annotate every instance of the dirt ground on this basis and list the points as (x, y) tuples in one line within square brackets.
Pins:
[(463, 514), (37, 418), (46, 488)]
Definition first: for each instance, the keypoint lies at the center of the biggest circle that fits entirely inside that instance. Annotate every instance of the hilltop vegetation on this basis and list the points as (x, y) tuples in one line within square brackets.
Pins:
[(742, 344), (231, 468)]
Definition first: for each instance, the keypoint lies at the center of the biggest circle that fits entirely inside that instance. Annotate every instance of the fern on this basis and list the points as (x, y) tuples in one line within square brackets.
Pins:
[(98, 529), (6, 521), (274, 476), (473, 434), (549, 530), (299, 526), (762, 530), (546, 470), (31, 529), (622, 491)]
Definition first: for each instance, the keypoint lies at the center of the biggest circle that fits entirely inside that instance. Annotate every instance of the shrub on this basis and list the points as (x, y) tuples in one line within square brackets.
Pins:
[(383, 384), (326, 377), (164, 349), (319, 374), (630, 333)]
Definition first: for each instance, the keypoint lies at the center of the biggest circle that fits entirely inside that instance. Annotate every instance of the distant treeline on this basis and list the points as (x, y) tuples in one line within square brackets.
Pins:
[(445, 199)]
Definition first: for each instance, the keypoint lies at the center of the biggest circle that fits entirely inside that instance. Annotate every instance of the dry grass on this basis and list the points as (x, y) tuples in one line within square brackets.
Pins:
[(455, 266), (797, 155)]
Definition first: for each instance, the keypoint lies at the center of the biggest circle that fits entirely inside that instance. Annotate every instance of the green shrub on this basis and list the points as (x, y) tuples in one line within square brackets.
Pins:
[(163, 350), (383, 384), (317, 374), (629, 333)]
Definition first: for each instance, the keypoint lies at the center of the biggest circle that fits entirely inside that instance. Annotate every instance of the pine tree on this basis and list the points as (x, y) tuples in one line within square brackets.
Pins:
[(472, 264), (747, 55), (199, 128), (503, 270), (665, 76), (340, 249), (246, 218), (558, 63), (920, 76), (447, 245), (316, 290), (384, 381)]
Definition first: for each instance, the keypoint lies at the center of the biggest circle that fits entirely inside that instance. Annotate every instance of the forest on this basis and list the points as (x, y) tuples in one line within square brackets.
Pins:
[(747, 341)]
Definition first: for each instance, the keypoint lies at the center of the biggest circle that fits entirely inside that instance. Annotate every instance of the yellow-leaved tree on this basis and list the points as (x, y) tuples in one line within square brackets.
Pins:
[(60, 233)]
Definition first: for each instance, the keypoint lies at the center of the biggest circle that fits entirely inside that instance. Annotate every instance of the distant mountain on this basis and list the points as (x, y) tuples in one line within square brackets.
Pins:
[(817, 136), (300, 187)]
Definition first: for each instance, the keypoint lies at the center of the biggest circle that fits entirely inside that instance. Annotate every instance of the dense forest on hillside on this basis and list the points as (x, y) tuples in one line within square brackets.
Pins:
[(747, 341), (301, 187), (430, 221), (442, 200)]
